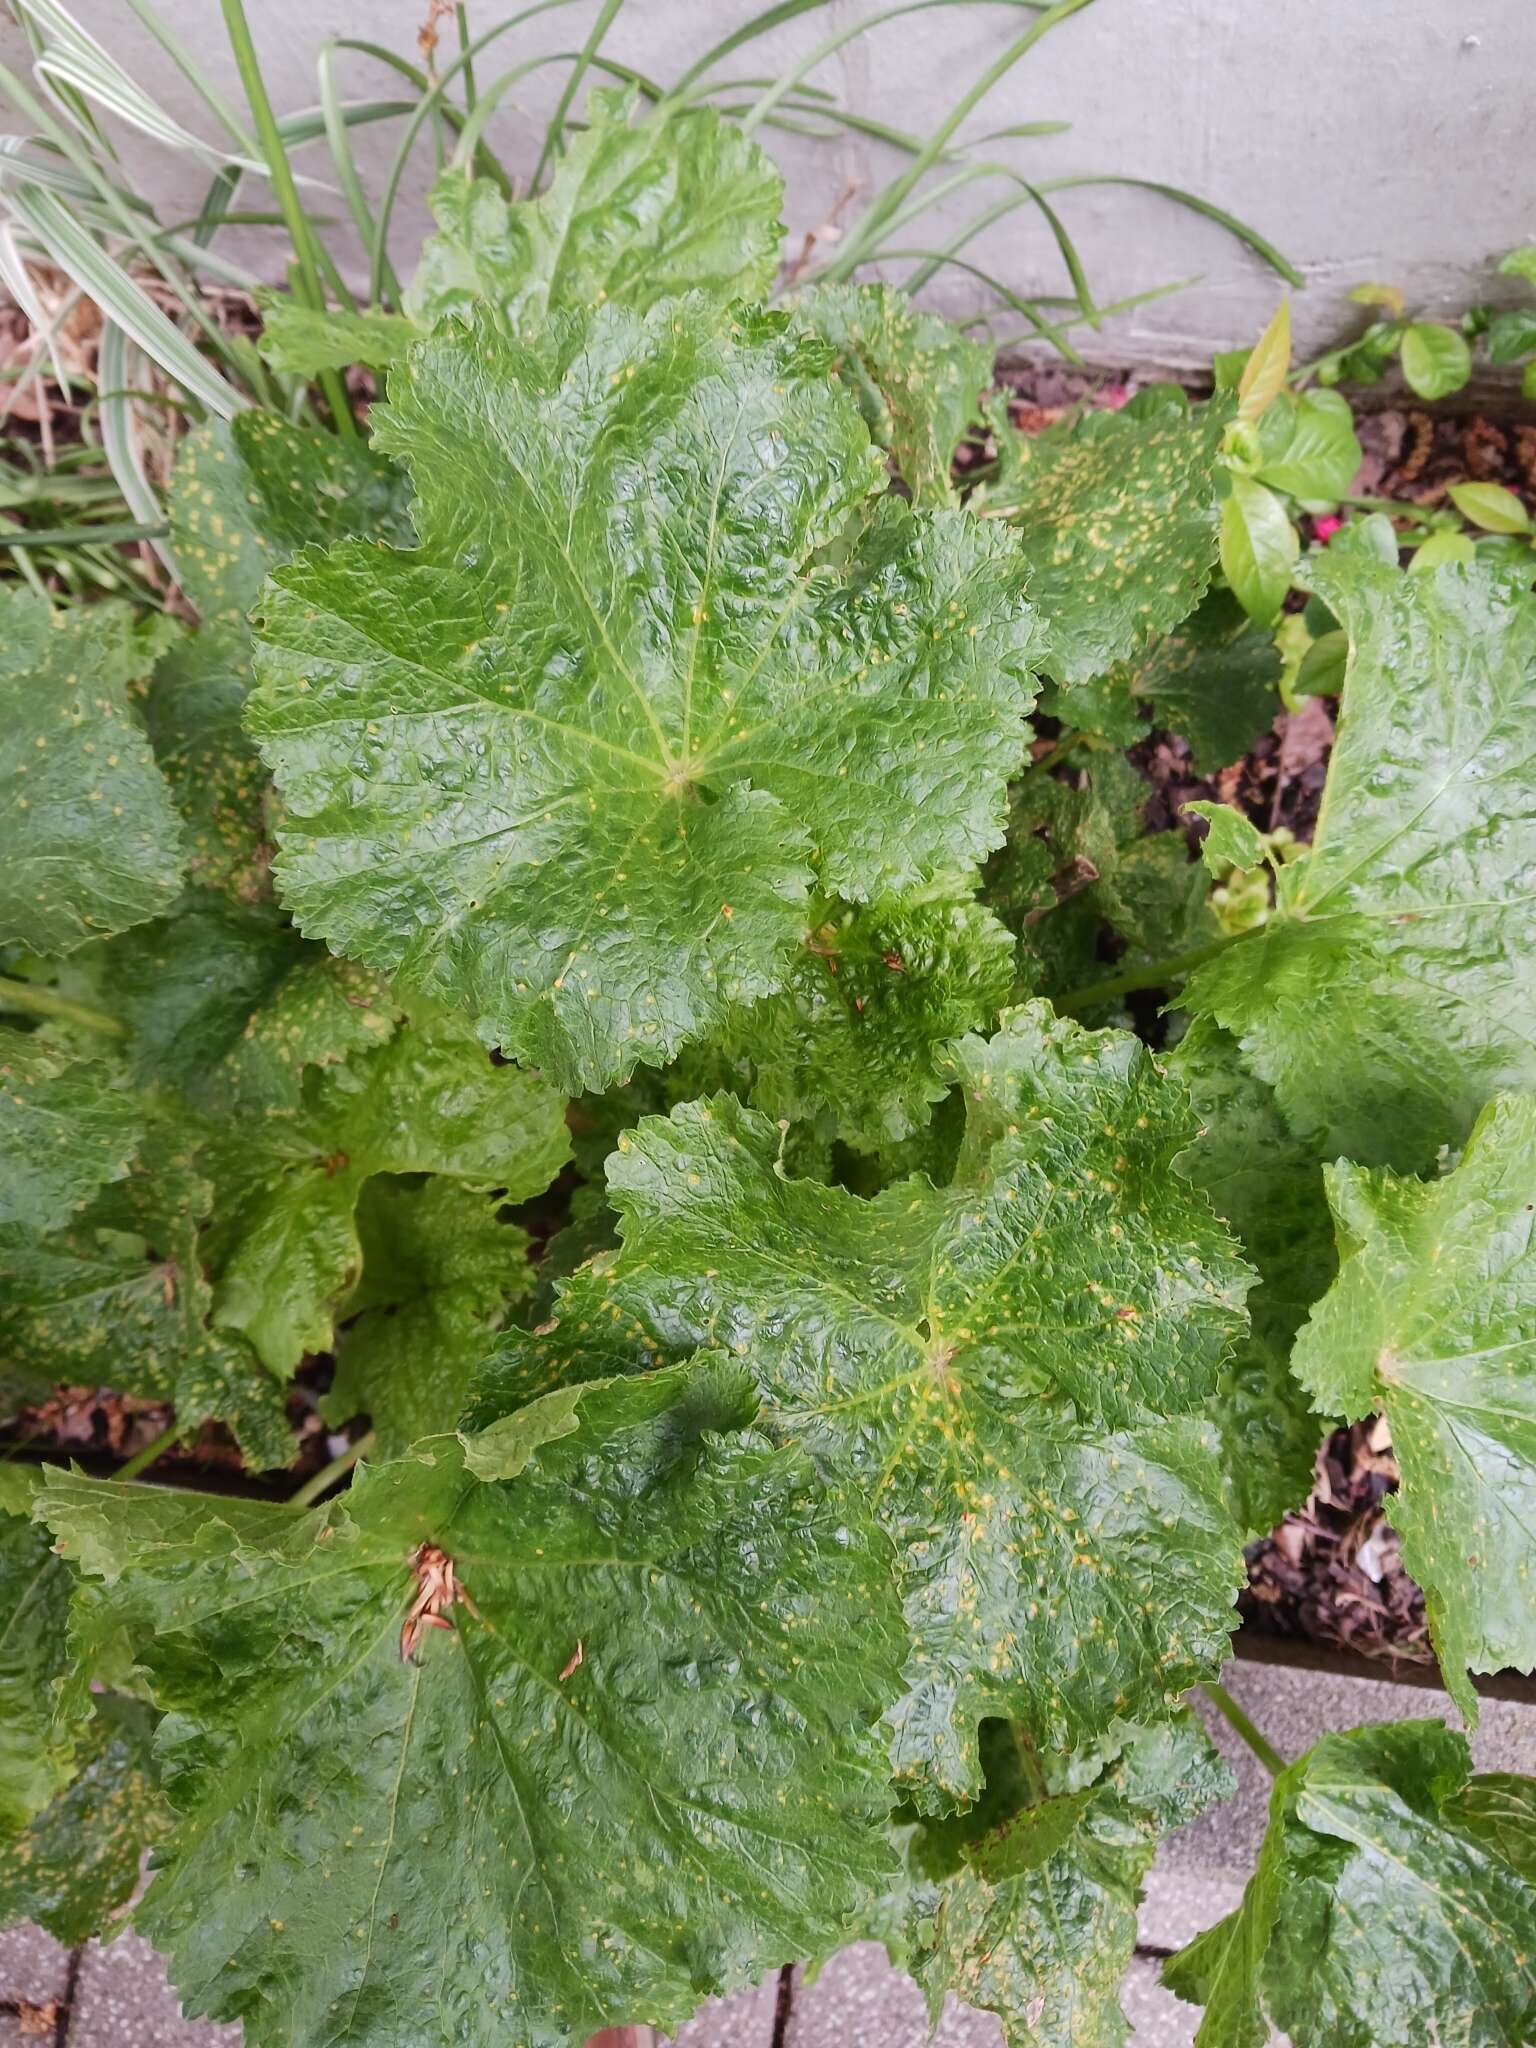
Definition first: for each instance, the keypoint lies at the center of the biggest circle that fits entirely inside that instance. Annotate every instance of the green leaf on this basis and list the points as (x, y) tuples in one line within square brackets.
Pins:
[(1432, 1322), (1377, 1918), (635, 213), (1386, 998), (1211, 680), (247, 494), (1325, 664), (89, 842), (574, 764), (699, 1798), (1436, 360), (1230, 841), (1264, 373), (1528, 381), (439, 1270), (917, 379), (1512, 335), (1520, 263), (1026, 1906), (192, 713), (862, 1036), (1259, 548), (1320, 455), (79, 1861), (1267, 1187), (285, 1247), (1116, 519), (34, 1614), (1009, 1368), (66, 1128), (120, 1299), (1429, 554), (1492, 507), (301, 341)]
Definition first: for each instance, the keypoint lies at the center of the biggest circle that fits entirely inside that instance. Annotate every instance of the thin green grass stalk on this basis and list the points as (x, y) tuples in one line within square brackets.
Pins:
[(888, 202), (1250, 237), (281, 173), (493, 94), (554, 133)]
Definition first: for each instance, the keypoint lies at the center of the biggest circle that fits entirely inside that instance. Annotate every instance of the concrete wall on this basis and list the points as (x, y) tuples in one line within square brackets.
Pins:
[(1386, 139)]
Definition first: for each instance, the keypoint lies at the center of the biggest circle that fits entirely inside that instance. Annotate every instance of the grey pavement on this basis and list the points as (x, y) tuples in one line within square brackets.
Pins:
[(116, 1996)]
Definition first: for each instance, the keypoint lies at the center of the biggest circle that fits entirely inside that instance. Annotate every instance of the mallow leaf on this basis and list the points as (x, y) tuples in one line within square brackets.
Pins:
[(1388, 996), (89, 839), (1381, 1915), (285, 1246), (860, 1039), (574, 763), (636, 212), (1115, 516), (246, 494), (1026, 1905), (1432, 1322), (917, 379), (642, 1761), (439, 1270), (79, 1861), (1011, 1369), (66, 1128), (120, 1299), (1268, 1187), (35, 1590), (192, 712), (1212, 680)]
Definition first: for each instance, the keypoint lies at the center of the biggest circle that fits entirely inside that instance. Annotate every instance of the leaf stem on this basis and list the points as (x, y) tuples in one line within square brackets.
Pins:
[(1231, 1712), (1158, 975), (1043, 763), (142, 1460), (328, 1475), (47, 1002)]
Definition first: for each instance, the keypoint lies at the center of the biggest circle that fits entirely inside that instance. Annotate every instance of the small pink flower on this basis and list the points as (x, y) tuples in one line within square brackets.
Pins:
[(1113, 396), (1325, 527)]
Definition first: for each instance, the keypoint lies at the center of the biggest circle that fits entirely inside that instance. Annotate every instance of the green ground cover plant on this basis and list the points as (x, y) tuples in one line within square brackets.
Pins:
[(584, 935)]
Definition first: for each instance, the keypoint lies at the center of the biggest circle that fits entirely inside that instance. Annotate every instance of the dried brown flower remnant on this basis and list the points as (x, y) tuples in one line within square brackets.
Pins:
[(437, 1589)]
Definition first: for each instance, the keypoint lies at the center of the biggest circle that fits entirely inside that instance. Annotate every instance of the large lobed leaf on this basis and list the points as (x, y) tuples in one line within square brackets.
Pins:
[(1390, 995), (574, 764), (66, 1129), (1115, 515), (1386, 1910), (34, 1611), (1026, 1905), (636, 213), (1432, 1322), (89, 841), (1011, 1368), (645, 1764)]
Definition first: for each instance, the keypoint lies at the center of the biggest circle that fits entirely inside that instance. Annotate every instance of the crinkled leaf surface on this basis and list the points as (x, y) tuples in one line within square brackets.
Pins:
[(120, 1299), (1391, 993), (635, 213), (66, 1128), (193, 716), (89, 840), (1377, 1917), (1010, 1368), (1026, 1905), (429, 1100), (860, 1039), (1432, 1321), (34, 1613), (79, 1861), (302, 341), (248, 493), (492, 1843), (439, 1269), (1116, 518), (1268, 1187), (573, 763), (1212, 680), (917, 379)]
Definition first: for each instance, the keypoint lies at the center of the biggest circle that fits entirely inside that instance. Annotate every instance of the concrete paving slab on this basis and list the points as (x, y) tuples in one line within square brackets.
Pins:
[(743, 2021), (123, 1999), (859, 1998), (1158, 2019), (33, 1966)]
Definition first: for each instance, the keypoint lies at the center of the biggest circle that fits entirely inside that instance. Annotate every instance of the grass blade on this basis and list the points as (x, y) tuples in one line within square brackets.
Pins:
[(1250, 237)]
